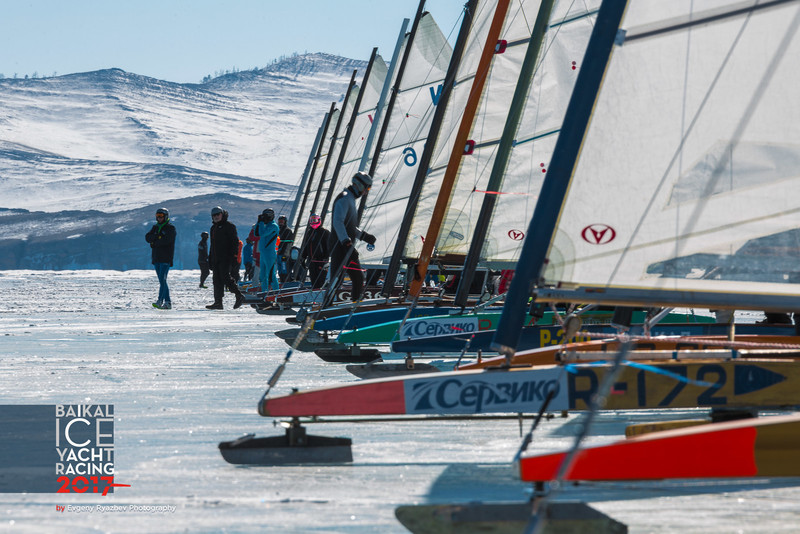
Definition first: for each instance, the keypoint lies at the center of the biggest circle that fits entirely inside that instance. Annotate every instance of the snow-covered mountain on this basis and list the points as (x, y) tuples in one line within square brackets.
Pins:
[(112, 142)]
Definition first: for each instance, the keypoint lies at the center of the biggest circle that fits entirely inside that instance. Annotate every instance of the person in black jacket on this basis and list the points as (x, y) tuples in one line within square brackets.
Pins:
[(223, 253), (287, 242), (162, 244), (315, 254), (202, 259)]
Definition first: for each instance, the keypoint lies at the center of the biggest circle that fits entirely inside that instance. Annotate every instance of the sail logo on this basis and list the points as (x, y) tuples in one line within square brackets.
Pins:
[(516, 235), (436, 95), (438, 327), (484, 393), (598, 234)]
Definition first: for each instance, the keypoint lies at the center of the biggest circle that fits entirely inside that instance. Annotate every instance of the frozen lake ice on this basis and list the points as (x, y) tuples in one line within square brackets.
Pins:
[(185, 379)]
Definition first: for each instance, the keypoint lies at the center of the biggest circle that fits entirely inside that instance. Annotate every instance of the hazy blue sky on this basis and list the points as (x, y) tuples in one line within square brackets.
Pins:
[(184, 40)]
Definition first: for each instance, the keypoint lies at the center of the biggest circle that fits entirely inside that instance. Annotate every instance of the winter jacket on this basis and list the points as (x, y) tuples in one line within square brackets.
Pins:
[(224, 243), (162, 242), (255, 239), (345, 218), (317, 244), (267, 238), (247, 253), (286, 241), (202, 252)]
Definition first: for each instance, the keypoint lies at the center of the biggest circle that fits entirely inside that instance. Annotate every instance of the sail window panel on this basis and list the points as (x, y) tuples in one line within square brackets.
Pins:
[(687, 174)]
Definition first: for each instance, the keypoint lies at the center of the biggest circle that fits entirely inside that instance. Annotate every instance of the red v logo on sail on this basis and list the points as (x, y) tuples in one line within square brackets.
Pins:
[(516, 235), (598, 234)]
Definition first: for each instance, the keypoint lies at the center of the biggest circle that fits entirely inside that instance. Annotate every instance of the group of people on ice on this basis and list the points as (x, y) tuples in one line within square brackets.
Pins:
[(268, 245)]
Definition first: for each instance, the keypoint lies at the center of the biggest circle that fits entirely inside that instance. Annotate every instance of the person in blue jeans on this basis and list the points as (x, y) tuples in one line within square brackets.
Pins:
[(162, 244)]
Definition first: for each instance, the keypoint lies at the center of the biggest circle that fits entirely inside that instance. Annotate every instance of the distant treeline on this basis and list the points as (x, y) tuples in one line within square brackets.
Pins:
[(235, 70), (32, 76)]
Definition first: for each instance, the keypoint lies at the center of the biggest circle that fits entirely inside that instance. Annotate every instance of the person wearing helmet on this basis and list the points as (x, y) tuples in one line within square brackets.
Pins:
[(268, 233), (344, 233), (222, 256), (162, 249), (315, 253), (287, 241), (202, 259), (247, 260)]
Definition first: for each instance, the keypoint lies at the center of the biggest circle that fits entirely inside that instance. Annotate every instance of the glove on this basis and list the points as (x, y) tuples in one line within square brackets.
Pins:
[(368, 238)]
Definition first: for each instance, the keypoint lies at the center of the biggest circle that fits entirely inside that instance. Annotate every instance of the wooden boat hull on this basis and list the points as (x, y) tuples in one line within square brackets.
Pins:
[(533, 337), (764, 447), (576, 351)]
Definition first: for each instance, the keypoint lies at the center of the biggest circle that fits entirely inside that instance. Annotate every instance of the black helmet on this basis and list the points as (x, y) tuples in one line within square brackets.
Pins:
[(163, 211), (215, 210), (282, 218), (204, 235), (269, 214), (361, 182)]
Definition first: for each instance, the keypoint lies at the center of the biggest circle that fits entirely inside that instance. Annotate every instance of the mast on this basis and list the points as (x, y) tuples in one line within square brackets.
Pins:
[(305, 183), (349, 132), (427, 154), (320, 146), (333, 143), (542, 225), (387, 84), (390, 106), (504, 150), (476, 91)]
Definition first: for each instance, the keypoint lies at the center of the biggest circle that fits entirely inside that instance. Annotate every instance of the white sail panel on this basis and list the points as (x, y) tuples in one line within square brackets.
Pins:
[(361, 127), (688, 174), (315, 179), (365, 116), (554, 79), (465, 75), (408, 127)]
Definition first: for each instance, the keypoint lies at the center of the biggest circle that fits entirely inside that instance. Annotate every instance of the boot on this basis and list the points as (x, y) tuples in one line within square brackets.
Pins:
[(215, 306)]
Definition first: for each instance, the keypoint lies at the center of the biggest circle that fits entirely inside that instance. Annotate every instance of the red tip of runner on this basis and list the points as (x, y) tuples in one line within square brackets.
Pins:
[(376, 398)]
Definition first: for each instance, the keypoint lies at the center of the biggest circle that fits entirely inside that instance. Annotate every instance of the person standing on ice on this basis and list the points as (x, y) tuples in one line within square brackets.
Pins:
[(247, 259), (268, 233), (315, 253), (224, 249), (202, 259), (285, 249), (344, 232), (162, 244)]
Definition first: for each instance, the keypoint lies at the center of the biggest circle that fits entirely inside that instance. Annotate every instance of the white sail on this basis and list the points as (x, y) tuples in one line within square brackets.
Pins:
[(408, 127), (482, 20), (554, 79), (688, 175), (329, 189), (315, 179), (364, 121)]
